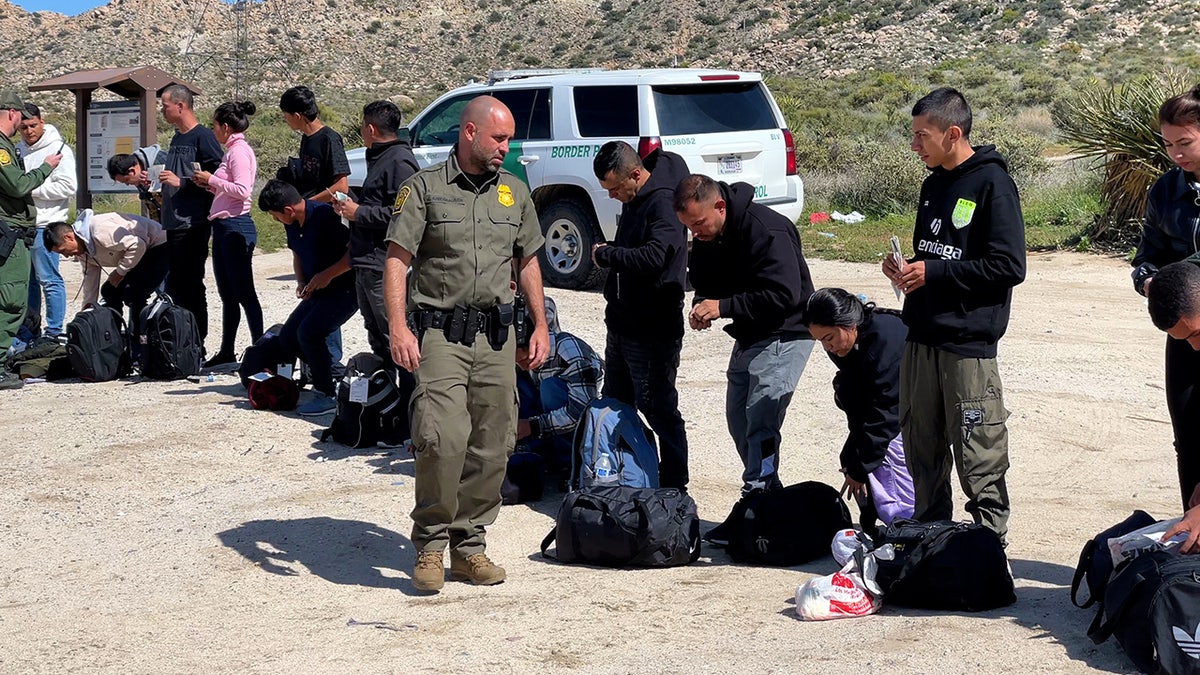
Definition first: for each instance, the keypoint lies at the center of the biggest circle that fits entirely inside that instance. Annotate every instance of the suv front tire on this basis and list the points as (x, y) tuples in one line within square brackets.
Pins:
[(571, 231)]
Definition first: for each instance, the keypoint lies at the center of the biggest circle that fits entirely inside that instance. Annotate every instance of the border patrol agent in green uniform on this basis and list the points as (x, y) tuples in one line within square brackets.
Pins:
[(464, 227), (18, 226)]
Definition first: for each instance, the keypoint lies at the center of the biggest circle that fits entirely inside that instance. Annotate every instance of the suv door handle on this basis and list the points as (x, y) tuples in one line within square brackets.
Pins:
[(526, 160)]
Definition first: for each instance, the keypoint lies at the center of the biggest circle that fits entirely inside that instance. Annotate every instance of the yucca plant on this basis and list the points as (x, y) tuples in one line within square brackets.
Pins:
[(1117, 125)]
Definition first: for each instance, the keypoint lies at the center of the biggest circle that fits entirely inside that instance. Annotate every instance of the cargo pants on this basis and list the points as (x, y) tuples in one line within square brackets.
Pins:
[(464, 424), (952, 407), (14, 294)]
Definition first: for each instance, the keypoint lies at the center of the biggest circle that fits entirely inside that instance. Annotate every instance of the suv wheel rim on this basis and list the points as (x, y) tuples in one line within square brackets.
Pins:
[(563, 246)]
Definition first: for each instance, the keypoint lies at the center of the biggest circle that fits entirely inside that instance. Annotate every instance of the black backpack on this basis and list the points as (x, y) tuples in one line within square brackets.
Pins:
[(787, 526), (98, 345), (1095, 561), (266, 354), (381, 414), (617, 526), (171, 349), (1152, 607), (942, 565)]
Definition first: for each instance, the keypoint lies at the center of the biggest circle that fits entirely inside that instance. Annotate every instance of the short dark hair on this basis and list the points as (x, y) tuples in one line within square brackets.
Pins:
[(1182, 110), (695, 188), (277, 194), (55, 234), (32, 111), (1174, 293), (119, 165), (236, 114), (616, 157), (946, 108), (179, 94), (837, 307), (299, 100), (384, 116)]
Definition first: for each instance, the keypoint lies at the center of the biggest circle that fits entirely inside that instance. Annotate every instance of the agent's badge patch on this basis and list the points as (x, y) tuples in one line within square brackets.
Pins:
[(964, 210), (5, 158), (505, 195), (401, 197)]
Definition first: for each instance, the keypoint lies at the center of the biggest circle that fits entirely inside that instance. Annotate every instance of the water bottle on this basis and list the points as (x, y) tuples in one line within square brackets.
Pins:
[(605, 472)]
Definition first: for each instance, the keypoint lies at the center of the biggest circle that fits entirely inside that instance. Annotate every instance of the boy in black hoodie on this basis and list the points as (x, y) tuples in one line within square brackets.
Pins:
[(390, 162), (647, 262), (970, 252), (747, 265)]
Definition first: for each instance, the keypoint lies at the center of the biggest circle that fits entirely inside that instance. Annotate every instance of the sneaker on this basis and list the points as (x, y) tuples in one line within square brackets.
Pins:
[(319, 405), (429, 572), (10, 381), (221, 359), (477, 569)]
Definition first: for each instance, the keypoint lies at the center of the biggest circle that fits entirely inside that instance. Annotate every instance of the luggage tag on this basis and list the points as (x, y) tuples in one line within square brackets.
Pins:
[(358, 389), (284, 370)]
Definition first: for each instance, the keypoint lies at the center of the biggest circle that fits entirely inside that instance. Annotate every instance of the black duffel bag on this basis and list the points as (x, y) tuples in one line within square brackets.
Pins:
[(1095, 562), (941, 564), (617, 526), (1152, 607)]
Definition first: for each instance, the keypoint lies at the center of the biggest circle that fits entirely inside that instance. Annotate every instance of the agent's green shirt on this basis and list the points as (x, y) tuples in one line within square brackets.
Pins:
[(17, 186), (463, 237)]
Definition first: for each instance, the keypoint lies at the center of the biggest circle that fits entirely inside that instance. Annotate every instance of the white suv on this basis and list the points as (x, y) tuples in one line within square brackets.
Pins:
[(723, 123)]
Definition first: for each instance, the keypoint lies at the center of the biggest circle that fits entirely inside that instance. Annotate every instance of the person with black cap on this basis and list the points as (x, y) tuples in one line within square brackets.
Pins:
[(18, 225)]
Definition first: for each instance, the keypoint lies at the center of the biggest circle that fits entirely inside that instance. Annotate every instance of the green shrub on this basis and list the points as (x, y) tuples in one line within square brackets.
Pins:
[(1117, 125), (879, 178)]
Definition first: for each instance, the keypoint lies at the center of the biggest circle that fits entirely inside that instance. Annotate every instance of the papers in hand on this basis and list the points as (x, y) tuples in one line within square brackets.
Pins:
[(897, 258)]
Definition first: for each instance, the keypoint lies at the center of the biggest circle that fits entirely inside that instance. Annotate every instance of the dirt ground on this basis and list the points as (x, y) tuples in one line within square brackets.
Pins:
[(167, 527)]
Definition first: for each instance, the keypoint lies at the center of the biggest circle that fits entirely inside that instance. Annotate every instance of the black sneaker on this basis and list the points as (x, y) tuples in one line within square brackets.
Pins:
[(221, 359), (10, 381)]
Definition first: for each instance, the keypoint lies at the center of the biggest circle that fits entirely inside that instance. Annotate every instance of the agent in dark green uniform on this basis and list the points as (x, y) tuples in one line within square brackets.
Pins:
[(465, 227), (18, 226)]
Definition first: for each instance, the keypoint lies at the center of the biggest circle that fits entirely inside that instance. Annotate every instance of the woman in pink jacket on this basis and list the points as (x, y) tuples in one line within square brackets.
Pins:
[(234, 236)]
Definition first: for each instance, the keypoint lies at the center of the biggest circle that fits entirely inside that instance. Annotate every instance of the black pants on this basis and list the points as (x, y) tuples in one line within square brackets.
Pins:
[(642, 374), (134, 292), (185, 281), (368, 285), (1183, 402), (233, 257), (307, 329)]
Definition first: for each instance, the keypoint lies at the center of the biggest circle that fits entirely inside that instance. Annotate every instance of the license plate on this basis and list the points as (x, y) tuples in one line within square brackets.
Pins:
[(730, 165)]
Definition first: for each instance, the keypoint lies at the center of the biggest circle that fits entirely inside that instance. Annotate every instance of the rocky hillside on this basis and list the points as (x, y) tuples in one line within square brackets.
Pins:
[(355, 49)]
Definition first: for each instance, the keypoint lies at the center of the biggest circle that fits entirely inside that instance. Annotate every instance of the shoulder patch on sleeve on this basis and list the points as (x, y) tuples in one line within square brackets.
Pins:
[(5, 157), (401, 197)]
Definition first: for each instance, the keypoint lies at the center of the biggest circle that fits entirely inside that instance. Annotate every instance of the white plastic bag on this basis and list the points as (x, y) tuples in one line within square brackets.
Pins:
[(1129, 546), (844, 544), (840, 595)]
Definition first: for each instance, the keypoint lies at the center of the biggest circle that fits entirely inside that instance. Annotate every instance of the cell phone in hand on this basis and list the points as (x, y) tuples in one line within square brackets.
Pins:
[(60, 148), (196, 166)]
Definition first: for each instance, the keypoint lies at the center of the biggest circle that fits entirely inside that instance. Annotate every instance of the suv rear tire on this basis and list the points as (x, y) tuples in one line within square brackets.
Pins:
[(571, 231)]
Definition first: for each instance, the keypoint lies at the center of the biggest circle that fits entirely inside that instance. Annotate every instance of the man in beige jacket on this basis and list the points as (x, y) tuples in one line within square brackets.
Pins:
[(130, 244)]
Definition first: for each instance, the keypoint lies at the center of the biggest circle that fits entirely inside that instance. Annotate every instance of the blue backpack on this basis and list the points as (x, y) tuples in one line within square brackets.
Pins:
[(613, 447)]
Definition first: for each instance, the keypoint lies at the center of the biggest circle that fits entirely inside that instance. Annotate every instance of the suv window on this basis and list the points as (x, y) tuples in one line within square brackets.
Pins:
[(531, 112), (530, 109), (712, 108), (440, 127), (606, 112)]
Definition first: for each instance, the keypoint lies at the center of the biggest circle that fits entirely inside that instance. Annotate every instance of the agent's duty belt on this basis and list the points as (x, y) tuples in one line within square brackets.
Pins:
[(10, 234), (463, 323)]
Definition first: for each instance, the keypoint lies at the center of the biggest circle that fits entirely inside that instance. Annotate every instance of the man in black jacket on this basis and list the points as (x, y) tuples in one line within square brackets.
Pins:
[(390, 162), (970, 253), (647, 262), (747, 265)]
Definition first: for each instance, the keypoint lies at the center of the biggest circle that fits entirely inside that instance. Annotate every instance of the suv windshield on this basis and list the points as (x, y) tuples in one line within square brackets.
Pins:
[(712, 108)]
